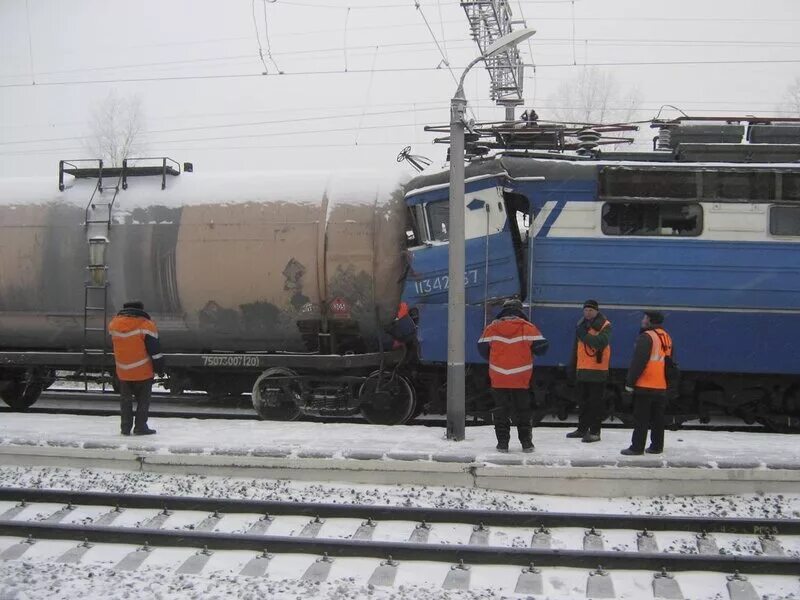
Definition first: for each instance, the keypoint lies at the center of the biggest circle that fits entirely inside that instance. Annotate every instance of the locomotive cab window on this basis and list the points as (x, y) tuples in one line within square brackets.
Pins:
[(438, 214), (413, 237), (652, 219), (784, 220)]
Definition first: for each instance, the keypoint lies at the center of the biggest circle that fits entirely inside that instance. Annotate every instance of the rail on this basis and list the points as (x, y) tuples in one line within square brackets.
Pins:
[(477, 552)]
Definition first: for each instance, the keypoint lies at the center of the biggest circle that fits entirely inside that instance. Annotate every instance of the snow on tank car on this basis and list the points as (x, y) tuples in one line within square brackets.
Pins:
[(235, 268)]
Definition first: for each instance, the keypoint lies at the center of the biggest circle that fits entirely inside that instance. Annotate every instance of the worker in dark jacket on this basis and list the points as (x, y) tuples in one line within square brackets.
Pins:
[(509, 343), (138, 357), (591, 355), (647, 380)]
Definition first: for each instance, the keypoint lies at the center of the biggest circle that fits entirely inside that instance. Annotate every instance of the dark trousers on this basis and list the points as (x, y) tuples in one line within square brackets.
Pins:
[(514, 403), (648, 413), (129, 390), (591, 409)]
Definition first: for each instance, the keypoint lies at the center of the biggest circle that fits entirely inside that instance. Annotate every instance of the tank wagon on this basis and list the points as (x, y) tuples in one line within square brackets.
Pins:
[(289, 279), (705, 227)]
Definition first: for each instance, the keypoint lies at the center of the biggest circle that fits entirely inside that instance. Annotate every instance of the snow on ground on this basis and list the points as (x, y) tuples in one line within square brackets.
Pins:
[(699, 448), (751, 505), (35, 578), (22, 580), (42, 578)]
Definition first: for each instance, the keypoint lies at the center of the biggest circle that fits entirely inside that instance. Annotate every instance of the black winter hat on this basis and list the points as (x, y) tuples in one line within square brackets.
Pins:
[(656, 317), (134, 304), (591, 304), (513, 303)]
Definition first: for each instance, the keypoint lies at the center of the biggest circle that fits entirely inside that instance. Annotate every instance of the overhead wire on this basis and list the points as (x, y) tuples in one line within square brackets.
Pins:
[(530, 52), (30, 39), (384, 70), (366, 99), (441, 27), (359, 126), (445, 60), (540, 41), (304, 147), (281, 121), (344, 49), (435, 41), (258, 38), (266, 36)]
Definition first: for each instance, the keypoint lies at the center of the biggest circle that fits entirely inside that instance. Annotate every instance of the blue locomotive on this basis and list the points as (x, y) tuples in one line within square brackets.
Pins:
[(705, 227)]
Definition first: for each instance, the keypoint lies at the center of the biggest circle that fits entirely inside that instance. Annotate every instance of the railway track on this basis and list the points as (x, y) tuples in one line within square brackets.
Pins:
[(391, 536), (198, 406)]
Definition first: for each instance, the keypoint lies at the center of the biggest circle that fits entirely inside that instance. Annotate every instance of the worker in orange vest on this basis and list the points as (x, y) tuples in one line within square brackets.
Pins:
[(591, 355), (647, 381), (138, 357), (509, 343)]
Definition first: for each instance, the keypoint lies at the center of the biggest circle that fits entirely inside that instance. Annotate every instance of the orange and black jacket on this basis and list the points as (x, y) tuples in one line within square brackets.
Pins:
[(593, 340), (647, 358), (509, 343), (137, 352)]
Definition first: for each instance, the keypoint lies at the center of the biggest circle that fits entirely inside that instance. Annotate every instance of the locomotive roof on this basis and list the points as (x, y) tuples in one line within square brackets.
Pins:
[(561, 166)]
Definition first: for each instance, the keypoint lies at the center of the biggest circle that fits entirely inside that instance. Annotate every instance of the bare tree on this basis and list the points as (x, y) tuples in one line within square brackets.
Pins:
[(116, 125), (791, 99), (593, 96)]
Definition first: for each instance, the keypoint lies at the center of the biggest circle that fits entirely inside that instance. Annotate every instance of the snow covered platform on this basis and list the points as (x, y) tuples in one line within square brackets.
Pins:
[(694, 462)]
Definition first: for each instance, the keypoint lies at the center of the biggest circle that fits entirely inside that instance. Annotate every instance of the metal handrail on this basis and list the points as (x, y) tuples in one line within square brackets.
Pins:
[(71, 162), (163, 160)]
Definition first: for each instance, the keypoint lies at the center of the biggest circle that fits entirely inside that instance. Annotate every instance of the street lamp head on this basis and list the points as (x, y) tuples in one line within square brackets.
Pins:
[(507, 41)]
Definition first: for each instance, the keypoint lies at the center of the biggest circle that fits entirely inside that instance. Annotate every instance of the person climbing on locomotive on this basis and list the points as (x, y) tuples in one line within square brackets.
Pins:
[(509, 344), (591, 355), (647, 381), (138, 357)]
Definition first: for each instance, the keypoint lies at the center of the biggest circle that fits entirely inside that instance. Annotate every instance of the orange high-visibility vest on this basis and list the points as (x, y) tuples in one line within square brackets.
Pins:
[(510, 356), (130, 354), (654, 375), (587, 356)]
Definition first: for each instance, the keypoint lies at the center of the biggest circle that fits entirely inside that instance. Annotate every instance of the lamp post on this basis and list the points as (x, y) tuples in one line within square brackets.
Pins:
[(456, 319)]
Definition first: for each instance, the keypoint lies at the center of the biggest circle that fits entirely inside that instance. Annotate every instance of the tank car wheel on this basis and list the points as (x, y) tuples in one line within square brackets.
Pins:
[(20, 395), (275, 395), (392, 404)]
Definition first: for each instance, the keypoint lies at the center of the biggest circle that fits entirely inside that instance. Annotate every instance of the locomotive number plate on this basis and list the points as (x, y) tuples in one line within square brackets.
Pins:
[(233, 360)]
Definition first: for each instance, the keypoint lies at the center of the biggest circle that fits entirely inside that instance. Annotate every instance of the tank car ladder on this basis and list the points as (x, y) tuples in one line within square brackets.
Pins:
[(98, 221)]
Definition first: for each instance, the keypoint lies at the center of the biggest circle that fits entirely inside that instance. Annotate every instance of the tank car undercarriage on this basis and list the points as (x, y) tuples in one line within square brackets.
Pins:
[(283, 386)]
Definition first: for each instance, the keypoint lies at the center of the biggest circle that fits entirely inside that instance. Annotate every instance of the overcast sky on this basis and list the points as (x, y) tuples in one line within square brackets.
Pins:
[(360, 77)]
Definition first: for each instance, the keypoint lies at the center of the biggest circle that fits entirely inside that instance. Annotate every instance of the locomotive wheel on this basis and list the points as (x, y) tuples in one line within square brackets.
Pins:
[(392, 404), (282, 394), (19, 395)]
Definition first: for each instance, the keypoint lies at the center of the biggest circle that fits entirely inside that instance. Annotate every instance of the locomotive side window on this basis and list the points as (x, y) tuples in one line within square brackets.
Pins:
[(784, 220), (791, 186), (438, 218), (647, 183), (730, 185), (651, 218)]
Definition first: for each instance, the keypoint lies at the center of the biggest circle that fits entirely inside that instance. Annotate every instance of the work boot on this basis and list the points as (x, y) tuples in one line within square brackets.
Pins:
[(125, 432), (502, 448), (576, 434), (145, 431), (527, 447), (590, 438), (652, 450), (632, 452)]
